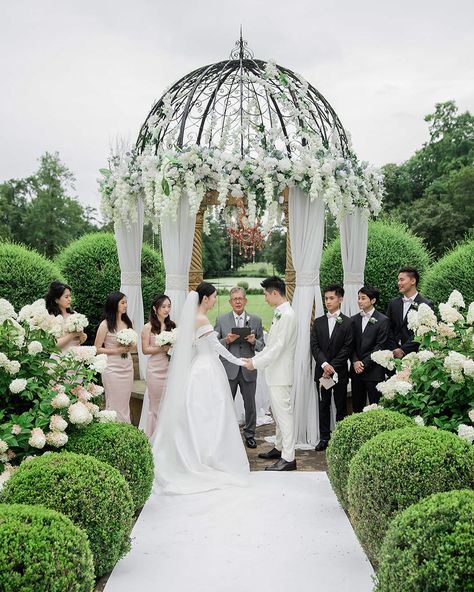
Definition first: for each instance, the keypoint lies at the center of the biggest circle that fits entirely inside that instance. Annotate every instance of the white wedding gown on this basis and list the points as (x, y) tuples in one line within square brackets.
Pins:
[(197, 445)]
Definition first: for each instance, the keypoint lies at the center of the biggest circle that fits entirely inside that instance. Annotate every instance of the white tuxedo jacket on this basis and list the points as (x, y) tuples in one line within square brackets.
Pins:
[(279, 353)]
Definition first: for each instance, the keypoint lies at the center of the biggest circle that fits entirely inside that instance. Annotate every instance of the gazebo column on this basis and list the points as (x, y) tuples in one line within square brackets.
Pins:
[(195, 269), (290, 274)]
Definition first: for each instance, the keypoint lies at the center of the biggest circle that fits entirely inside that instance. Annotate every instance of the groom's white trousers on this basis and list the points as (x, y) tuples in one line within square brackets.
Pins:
[(282, 410)]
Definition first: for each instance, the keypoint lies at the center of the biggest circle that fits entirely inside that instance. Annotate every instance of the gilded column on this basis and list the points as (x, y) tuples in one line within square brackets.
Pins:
[(195, 269), (290, 274)]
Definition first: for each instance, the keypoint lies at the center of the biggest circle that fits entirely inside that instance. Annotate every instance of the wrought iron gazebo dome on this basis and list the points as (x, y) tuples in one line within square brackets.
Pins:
[(242, 103)]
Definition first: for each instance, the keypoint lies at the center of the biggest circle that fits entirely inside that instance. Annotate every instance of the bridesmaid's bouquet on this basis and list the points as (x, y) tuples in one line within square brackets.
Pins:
[(166, 337), (127, 337), (75, 323)]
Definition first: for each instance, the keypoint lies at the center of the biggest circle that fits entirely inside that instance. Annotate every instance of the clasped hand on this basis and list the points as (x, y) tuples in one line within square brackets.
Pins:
[(248, 363)]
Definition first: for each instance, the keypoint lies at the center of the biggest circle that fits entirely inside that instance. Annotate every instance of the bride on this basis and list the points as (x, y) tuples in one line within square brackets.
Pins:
[(197, 444)]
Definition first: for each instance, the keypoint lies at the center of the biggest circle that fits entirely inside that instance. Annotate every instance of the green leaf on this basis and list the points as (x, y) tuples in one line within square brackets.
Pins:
[(165, 186), (105, 172)]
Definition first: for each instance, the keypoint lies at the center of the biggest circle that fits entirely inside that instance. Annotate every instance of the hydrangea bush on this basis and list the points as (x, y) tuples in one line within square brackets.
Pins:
[(435, 384), (44, 392)]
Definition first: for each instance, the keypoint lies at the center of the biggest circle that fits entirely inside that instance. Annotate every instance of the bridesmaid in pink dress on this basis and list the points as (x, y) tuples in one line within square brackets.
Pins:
[(158, 362), (118, 376), (58, 302)]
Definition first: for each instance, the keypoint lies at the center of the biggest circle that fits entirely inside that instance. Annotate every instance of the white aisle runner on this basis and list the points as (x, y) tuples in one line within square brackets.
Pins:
[(285, 532)]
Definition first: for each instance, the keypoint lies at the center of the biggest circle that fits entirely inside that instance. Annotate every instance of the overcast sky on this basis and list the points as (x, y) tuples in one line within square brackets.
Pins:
[(77, 74)]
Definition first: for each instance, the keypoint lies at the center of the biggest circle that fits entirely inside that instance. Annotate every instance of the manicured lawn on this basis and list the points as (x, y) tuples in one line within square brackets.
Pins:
[(230, 282), (256, 305)]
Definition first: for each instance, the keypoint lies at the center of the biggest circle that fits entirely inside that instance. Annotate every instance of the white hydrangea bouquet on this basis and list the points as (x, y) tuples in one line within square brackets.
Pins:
[(436, 383), (44, 392), (75, 323), (166, 338), (127, 337)]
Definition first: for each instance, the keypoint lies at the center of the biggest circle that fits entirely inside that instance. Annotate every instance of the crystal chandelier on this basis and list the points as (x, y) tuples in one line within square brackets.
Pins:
[(249, 237)]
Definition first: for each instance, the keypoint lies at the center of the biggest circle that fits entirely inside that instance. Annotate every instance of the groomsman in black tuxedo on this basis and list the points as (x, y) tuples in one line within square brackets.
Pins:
[(331, 346), (371, 331), (401, 337)]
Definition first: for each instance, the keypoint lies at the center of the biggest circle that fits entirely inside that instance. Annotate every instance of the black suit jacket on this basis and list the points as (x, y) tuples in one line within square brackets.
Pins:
[(400, 335), (335, 350), (374, 338)]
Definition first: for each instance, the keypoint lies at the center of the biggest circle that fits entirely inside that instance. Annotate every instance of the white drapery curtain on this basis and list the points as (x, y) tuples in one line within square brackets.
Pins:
[(354, 232), (306, 225), (177, 236), (129, 241)]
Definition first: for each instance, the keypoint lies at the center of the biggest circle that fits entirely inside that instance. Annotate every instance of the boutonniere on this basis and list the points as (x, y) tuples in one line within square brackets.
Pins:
[(414, 305), (247, 321), (339, 320), (372, 321), (277, 315)]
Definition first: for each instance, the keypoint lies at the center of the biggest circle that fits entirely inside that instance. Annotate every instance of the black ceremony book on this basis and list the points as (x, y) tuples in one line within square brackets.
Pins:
[(242, 331)]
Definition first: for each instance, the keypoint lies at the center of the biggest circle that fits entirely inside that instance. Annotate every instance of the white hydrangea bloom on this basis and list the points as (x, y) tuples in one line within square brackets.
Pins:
[(372, 407), (454, 362), (79, 414), (57, 423), (18, 385), (99, 363), (37, 438), (470, 314), (384, 358), (12, 367), (436, 384), (127, 337), (35, 348), (107, 416), (419, 420), (471, 415), (3, 446), (455, 299), (56, 439), (466, 432), (75, 322), (411, 360), (468, 368), (7, 312), (60, 401), (424, 355), (449, 314), (84, 353)]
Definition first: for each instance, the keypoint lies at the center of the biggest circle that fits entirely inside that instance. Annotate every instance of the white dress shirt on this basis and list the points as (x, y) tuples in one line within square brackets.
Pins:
[(332, 320), (239, 319), (366, 316), (407, 302)]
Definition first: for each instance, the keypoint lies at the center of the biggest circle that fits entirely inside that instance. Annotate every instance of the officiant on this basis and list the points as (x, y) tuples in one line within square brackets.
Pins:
[(242, 334)]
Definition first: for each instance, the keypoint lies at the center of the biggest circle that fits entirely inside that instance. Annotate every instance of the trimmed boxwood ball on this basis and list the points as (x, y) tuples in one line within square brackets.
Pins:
[(42, 551), (398, 468), (430, 546), (123, 446), (390, 246), (454, 270), (348, 437), (91, 267), (25, 275), (91, 493)]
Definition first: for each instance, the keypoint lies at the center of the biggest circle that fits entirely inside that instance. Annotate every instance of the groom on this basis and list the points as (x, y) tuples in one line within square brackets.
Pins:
[(277, 358)]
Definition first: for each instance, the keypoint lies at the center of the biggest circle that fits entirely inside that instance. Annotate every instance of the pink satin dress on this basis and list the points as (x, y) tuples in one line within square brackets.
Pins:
[(156, 374), (118, 380)]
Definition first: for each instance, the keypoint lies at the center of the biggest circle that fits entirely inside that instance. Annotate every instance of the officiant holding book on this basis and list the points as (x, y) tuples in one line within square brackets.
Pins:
[(242, 334)]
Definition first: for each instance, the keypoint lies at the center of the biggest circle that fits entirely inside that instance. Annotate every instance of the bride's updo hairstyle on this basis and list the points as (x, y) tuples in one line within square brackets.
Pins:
[(205, 289)]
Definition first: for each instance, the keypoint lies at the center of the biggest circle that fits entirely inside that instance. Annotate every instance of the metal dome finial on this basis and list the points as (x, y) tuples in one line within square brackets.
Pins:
[(241, 51)]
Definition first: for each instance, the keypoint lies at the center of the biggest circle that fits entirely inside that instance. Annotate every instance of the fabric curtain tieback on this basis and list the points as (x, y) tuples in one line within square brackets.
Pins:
[(354, 278), (307, 278), (177, 282), (131, 278)]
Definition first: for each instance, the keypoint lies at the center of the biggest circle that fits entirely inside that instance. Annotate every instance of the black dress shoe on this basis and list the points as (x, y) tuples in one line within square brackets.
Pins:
[(322, 445), (250, 442), (273, 453), (282, 465)]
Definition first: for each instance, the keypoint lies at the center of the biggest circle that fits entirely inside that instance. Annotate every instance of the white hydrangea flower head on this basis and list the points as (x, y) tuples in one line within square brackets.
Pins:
[(107, 416), (35, 348), (60, 401), (57, 423), (18, 385), (471, 415), (7, 312), (419, 420), (470, 314), (424, 355), (468, 368), (449, 314), (56, 439), (12, 367), (3, 446), (372, 407), (37, 438), (99, 363), (466, 432), (384, 358), (456, 300), (436, 384), (84, 353), (79, 414)]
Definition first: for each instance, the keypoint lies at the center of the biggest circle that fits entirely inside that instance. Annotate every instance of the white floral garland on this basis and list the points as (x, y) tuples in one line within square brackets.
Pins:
[(163, 173)]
